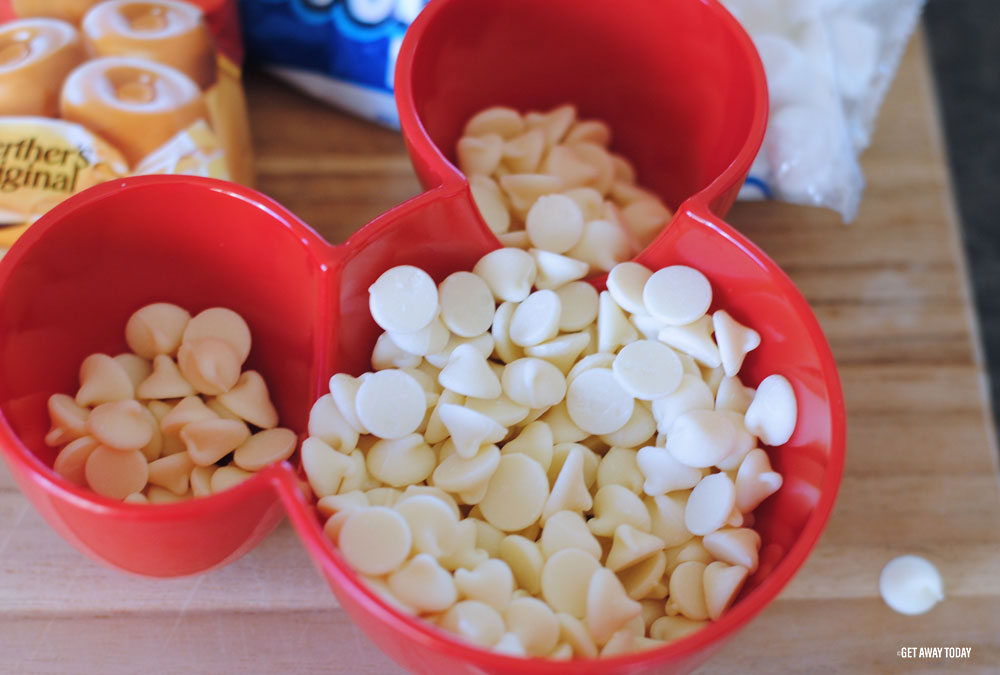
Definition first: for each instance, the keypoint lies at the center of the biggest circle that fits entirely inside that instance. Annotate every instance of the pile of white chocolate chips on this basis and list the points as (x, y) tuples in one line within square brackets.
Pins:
[(525, 169), (174, 418), (545, 470)]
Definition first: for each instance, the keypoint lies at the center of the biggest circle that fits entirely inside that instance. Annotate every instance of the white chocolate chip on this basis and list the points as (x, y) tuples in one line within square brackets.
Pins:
[(734, 340), (694, 339), (721, 583), (501, 120), (555, 270), (533, 382), (534, 623), (631, 546), (430, 339), (597, 403), (647, 369), (710, 504), (569, 491), (375, 540), (390, 403), (457, 474), (687, 595), (490, 202), (468, 373), (691, 394), (516, 493), (663, 473), (554, 223), (467, 305), (536, 319), (534, 441), (403, 299), (613, 328), (423, 584), (475, 621), (325, 422), (567, 529), (565, 580), (773, 413), (755, 481), (677, 294), (522, 154), (626, 282), (479, 154), (616, 505), (490, 582), (401, 461), (910, 585), (579, 301), (734, 546), (702, 438), (509, 272), (608, 605)]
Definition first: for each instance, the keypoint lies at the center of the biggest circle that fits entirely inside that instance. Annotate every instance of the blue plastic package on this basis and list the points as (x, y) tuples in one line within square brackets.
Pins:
[(342, 52)]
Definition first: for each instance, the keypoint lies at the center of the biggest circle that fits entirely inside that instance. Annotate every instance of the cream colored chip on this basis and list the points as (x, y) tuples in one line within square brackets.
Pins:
[(390, 403), (575, 635), (646, 579), (514, 239), (646, 218), (387, 354), (722, 583), (677, 294), (474, 621), (619, 466), (482, 343), (570, 491), (421, 583), (325, 467), (488, 537), (469, 430), (910, 585), (156, 329), (609, 607), (172, 473), (578, 301), (534, 623), (509, 272), (208, 441), (72, 459), (505, 348), (710, 504), (536, 319), (479, 154), (457, 474), (755, 481), (223, 324), (567, 529), (734, 339), (773, 414), (490, 202), (522, 153), (525, 560), (670, 628), (648, 326), (501, 120), (250, 400), (375, 540), (563, 428), (430, 339), (589, 131), (138, 368), (733, 396), (554, 223), (328, 424), (687, 595), (693, 550), (597, 403), (533, 382), (562, 351), (116, 473), (738, 546), (631, 546), (702, 438), (401, 461), (566, 578), (556, 270), (490, 582), (188, 409), (103, 380), (516, 493), (566, 164), (68, 419), (201, 480), (588, 200), (626, 282), (561, 452), (122, 425), (534, 441), (502, 409), (555, 123), (694, 339), (663, 473), (432, 523), (638, 430), (468, 373), (613, 328), (211, 365), (603, 245), (666, 515), (509, 644), (691, 394), (647, 369), (403, 299), (467, 305), (344, 390), (158, 495), (615, 505)]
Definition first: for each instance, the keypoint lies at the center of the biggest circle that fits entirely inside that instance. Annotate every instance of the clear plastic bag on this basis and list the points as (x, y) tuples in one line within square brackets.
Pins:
[(829, 64)]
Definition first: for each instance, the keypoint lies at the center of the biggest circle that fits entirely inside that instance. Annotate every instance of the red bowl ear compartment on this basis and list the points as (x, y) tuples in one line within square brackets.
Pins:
[(679, 82), (754, 290), (69, 285)]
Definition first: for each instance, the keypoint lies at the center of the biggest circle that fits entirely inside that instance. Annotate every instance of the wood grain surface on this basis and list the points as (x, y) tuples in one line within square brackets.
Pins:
[(921, 477)]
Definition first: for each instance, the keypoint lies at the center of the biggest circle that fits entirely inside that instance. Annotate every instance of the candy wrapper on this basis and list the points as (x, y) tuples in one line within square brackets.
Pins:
[(93, 90), (342, 52), (829, 64)]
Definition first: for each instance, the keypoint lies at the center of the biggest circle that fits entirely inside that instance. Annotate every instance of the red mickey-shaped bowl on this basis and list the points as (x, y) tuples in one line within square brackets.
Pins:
[(681, 86)]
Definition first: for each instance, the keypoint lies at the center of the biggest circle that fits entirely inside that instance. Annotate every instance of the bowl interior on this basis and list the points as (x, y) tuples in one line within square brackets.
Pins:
[(678, 81), (80, 272)]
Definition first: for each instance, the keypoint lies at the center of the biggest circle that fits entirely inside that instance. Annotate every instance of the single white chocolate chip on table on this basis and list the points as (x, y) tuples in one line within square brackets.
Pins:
[(403, 299), (390, 403), (910, 585), (156, 329), (222, 324), (375, 540)]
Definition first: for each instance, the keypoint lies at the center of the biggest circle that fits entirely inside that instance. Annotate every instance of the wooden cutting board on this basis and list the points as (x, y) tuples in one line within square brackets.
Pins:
[(891, 293)]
